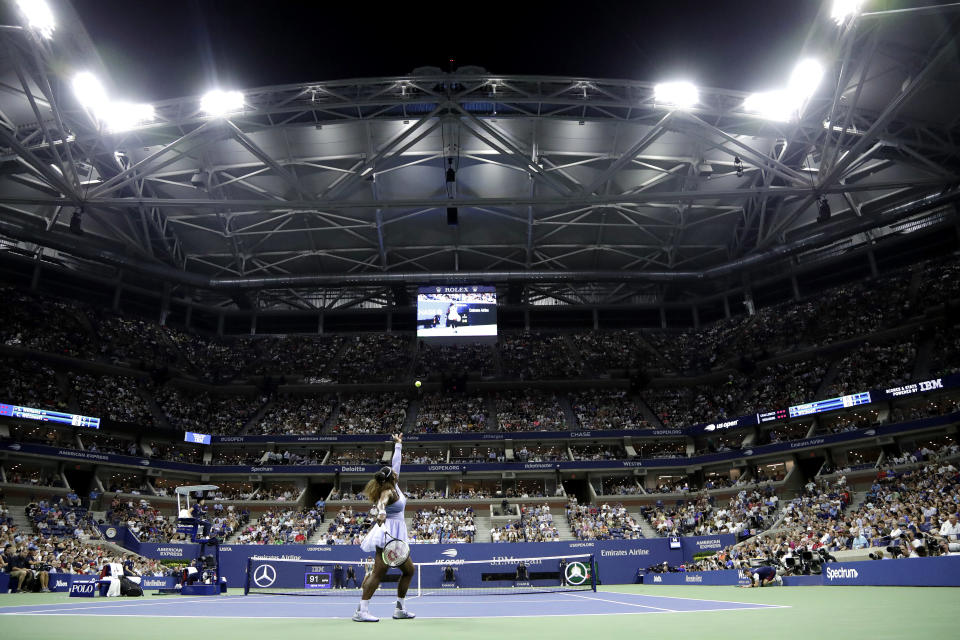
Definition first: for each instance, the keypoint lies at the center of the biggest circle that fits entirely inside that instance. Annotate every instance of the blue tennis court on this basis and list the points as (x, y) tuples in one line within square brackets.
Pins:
[(262, 607)]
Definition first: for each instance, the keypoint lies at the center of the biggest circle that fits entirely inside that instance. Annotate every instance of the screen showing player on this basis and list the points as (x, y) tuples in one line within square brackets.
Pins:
[(444, 312)]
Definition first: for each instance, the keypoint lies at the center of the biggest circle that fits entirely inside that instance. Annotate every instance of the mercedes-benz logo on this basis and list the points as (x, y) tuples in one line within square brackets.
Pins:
[(264, 575)]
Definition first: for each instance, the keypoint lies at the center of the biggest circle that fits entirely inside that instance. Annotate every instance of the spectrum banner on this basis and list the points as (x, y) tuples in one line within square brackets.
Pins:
[(904, 572)]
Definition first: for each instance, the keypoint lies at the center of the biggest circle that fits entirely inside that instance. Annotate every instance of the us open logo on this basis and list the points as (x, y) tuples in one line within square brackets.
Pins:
[(264, 575)]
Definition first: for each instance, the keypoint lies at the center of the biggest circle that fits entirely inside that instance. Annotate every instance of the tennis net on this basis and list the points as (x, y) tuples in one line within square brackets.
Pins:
[(497, 576)]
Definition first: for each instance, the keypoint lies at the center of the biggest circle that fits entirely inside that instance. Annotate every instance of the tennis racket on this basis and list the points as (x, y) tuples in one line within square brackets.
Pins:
[(395, 551)]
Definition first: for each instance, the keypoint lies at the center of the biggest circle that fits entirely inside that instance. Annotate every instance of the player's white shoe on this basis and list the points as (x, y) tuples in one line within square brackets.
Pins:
[(364, 616), (403, 614)]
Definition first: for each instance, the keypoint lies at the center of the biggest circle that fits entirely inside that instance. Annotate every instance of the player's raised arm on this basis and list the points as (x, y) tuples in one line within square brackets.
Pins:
[(395, 462)]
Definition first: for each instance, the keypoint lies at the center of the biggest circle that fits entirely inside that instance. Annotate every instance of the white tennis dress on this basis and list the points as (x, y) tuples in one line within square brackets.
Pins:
[(394, 524)]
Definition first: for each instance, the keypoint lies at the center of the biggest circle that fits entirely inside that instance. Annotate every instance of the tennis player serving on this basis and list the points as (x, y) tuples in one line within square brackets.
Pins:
[(389, 537)]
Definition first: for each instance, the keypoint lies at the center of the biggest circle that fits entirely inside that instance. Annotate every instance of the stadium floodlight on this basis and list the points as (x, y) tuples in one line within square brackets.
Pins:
[(805, 79), (785, 104), (39, 16), (218, 102), (123, 116), (676, 94), (772, 105), (90, 92), (843, 9)]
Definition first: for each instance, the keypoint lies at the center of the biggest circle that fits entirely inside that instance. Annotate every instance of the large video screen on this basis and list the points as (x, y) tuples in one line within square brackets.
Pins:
[(445, 312)]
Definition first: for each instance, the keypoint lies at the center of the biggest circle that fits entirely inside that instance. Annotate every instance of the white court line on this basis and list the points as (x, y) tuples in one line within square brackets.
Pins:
[(548, 615), (648, 595), (626, 604), (108, 605)]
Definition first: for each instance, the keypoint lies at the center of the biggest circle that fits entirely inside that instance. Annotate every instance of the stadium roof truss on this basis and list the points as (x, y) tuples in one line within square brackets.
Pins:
[(587, 190)]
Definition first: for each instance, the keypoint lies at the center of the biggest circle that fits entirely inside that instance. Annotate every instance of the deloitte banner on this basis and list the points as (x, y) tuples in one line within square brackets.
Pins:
[(617, 560), (904, 572)]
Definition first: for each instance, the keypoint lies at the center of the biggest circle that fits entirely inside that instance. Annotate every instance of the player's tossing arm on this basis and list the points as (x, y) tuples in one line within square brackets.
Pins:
[(395, 462)]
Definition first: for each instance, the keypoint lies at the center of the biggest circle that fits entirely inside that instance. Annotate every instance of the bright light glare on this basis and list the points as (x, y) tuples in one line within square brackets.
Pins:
[(843, 9), (38, 15), (677, 94), (772, 105), (123, 116), (218, 102), (90, 91), (784, 104), (115, 115), (805, 79)]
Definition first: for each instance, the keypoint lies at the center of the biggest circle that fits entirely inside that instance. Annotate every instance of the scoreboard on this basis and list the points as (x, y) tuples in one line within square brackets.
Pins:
[(47, 415), (843, 402), (317, 579)]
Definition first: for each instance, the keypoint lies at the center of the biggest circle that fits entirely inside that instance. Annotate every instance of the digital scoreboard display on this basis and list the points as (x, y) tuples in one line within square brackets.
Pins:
[(772, 416), (316, 580), (843, 402), (46, 415), (455, 312)]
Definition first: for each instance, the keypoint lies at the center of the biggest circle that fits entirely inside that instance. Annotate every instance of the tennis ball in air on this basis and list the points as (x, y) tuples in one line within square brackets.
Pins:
[(417, 384)]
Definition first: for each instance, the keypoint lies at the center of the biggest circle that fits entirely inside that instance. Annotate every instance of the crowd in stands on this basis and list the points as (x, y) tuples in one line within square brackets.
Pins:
[(451, 414), (358, 455), (295, 415), (56, 549), (420, 455), (680, 406), (102, 443), (598, 409), (372, 413), (110, 397), (414, 492), (873, 366), (144, 520), (743, 515), (603, 351), (176, 453), (528, 410), (598, 452), (440, 525), (61, 517), (454, 360), (280, 526), (667, 448), (374, 358), (538, 356), (906, 513), (277, 492), (130, 341), (204, 412), (43, 324), (590, 522), (616, 486), (540, 453), (784, 384), (696, 350), (31, 384), (37, 477), (347, 527)]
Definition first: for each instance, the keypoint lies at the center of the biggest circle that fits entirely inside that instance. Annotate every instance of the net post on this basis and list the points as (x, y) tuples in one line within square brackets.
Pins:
[(419, 582), (246, 581), (593, 573)]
